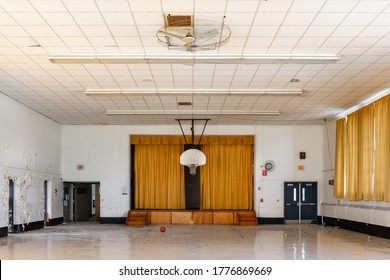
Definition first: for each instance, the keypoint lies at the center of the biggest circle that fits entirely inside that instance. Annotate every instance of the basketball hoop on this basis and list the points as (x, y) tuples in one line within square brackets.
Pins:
[(192, 157)]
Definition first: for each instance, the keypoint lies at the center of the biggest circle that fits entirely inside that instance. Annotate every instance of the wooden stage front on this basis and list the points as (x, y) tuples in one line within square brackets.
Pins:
[(186, 217)]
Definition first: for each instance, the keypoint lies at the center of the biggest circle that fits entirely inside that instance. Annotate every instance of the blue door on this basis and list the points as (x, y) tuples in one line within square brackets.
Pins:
[(300, 201)]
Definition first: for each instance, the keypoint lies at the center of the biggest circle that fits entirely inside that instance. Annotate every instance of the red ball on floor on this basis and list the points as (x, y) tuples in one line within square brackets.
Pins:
[(163, 229)]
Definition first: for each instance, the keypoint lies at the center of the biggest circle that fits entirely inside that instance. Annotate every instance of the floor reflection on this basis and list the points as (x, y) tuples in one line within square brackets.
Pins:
[(90, 240)]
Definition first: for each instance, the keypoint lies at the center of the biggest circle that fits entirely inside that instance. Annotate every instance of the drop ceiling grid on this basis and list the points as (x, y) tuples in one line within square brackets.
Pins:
[(240, 78)]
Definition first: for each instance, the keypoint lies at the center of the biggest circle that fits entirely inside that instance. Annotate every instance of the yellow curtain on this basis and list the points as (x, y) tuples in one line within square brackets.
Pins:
[(159, 177), (176, 140), (382, 152), (352, 148), (365, 151), (226, 179), (339, 171)]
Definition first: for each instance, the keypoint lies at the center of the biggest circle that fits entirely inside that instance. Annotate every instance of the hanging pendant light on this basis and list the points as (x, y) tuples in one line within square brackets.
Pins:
[(192, 157)]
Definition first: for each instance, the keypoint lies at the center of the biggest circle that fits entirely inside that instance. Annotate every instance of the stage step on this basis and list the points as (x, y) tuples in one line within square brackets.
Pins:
[(137, 218), (247, 218)]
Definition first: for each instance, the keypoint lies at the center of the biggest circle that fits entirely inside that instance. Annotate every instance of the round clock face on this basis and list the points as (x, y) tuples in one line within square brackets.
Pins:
[(269, 166)]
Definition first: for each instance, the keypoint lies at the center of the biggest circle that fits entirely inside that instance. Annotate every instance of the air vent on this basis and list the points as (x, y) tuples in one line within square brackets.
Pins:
[(295, 80), (179, 21), (184, 103)]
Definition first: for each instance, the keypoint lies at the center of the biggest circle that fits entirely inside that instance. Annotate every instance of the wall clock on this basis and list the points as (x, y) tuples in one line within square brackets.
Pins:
[(269, 165)]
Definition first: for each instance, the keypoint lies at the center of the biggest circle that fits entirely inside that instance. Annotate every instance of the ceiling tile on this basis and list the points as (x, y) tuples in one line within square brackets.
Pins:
[(66, 31), (359, 18), (88, 18), (204, 6), (76, 6), (326, 19), (275, 6), (118, 18), (371, 6), (156, 19), (382, 19), (269, 18), (339, 6), (356, 30), (124, 31), (347, 31), (239, 19), (299, 18), (178, 6), (244, 6), (114, 5), (17, 6), (307, 6)]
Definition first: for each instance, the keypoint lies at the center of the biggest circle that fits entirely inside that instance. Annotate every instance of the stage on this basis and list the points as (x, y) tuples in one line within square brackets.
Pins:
[(185, 217)]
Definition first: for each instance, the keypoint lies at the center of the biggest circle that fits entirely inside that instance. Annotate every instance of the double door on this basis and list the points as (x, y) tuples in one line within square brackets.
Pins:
[(300, 201)]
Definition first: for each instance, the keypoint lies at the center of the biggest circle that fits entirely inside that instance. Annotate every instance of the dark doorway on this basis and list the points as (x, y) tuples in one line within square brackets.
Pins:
[(192, 185), (11, 206), (132, 174), (81, 201), (68, 216), (45, 214)]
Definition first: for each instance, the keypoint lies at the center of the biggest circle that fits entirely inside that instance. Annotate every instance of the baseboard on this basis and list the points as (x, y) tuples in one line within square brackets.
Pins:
[(113, 220), (270, 221), (370, 229), (55, 221), (27, 227), (3, 232)]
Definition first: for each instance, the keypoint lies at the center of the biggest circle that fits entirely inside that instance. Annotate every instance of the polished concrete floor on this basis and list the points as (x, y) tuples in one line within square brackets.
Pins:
[(93, 241)]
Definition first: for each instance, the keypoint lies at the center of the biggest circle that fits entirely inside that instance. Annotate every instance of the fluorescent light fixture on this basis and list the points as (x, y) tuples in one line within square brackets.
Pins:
[(193, 58), (186, 91), (192, 112)]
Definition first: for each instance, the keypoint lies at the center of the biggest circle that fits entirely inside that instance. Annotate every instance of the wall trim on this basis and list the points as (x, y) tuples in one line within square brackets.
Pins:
[(55, 221), (113, 220), (3, 232), (371, 229), (27, 227), (270, 221)]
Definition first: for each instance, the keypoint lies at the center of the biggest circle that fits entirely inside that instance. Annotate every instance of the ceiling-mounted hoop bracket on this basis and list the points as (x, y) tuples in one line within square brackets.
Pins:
[(192, 129)]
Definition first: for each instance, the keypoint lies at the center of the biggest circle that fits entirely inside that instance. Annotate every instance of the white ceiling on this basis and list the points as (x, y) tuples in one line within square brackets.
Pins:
[(357, 31)]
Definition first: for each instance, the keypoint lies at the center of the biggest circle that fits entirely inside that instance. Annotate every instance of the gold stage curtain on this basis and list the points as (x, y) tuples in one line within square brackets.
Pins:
[(339, 185), (382, 152), (365, 117), (352, 157), (159, 177), (226, 180), (176, 140)]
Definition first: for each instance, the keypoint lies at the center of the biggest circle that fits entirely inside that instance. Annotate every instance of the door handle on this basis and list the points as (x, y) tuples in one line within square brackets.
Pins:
[(308, 204)]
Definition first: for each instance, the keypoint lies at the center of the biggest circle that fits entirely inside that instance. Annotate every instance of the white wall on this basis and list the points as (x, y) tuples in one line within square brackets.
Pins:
[(282, 145), (29, 154), (371, 212), (105, 153)]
